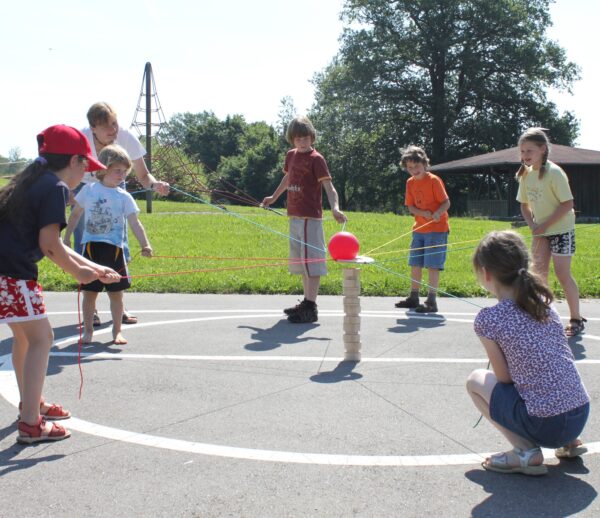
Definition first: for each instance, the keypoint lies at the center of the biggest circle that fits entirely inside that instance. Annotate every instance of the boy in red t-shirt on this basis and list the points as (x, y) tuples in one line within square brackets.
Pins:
[(428, 202), (305, 175)]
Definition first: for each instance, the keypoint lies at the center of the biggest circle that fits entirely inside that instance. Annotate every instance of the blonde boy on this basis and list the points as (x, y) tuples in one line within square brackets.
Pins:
[(108, 208)]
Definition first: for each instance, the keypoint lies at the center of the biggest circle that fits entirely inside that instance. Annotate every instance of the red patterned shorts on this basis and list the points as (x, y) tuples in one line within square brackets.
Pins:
[(20, 300)]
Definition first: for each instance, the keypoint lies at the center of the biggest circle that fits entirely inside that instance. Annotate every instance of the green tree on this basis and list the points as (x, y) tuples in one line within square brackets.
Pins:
[(459, 77), (204, 137), (256, 169)]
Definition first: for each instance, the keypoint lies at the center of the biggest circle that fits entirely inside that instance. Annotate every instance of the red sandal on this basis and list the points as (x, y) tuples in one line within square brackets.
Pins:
[(54, 413), (41, 432)]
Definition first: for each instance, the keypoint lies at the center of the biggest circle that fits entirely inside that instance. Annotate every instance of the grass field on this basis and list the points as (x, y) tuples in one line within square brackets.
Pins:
[(222, 253)]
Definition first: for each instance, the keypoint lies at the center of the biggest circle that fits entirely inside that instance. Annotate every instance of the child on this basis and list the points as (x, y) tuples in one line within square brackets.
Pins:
[(32, 214), (533, 394), (547, 206), (103, 130), (107, 209), (305, 174), (428, 202)]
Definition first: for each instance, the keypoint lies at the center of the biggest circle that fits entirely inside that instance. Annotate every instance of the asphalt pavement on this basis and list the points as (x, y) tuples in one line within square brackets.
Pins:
[(218, 406)]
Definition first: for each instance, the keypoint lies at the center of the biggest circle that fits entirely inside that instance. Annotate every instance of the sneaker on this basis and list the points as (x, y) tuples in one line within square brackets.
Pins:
[(304, 315), (96, 321), (43, 431), (427, 307), (408, 303), (294, 309)]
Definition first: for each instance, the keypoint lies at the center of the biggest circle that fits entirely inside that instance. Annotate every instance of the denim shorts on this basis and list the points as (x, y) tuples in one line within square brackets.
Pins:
[(428, 250), (508, 409)]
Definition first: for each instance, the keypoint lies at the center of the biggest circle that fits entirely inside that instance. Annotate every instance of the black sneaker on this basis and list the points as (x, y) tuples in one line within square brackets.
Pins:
[(294, 309), (304, 315), (408, 303)]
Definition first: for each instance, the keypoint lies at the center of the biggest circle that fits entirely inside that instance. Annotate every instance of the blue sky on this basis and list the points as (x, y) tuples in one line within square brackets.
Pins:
[(228, 56)]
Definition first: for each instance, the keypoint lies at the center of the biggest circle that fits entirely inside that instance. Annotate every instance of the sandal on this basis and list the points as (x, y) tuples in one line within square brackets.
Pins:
[(575, 327), (41, 432), (499, 463), (571, 451), (408, 303), (128, 319), (427, 307), (96, 320), (54, 413)]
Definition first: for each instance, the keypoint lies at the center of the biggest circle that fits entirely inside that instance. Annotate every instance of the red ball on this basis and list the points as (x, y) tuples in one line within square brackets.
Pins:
[(343, 246)]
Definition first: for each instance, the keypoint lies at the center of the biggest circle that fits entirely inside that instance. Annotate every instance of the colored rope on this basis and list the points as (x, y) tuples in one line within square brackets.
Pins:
[(399, 237)]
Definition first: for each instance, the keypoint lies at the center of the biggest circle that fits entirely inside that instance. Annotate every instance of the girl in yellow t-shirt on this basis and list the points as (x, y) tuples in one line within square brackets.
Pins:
[(547, 206)]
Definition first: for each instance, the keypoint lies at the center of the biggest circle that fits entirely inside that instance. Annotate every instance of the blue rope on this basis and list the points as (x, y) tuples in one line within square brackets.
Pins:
[(247, 220)]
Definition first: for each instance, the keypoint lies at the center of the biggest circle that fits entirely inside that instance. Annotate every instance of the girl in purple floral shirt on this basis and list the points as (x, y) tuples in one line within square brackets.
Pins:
[(533, 394)]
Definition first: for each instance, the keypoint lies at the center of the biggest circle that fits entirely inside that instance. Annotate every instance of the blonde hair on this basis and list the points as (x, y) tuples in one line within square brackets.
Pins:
[(414, 154), (110, 155), (100, 113), (300, 127), (538, 137)]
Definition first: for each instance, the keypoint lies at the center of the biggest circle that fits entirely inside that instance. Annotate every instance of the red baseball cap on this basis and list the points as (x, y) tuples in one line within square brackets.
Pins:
[(66, 140)]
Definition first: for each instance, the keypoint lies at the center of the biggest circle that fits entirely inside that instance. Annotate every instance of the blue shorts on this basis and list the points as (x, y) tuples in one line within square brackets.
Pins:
[(428, 250), (508, 409)]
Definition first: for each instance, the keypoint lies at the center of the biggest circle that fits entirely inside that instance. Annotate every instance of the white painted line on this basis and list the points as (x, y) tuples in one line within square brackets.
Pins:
[(278, 312), (9, 390)]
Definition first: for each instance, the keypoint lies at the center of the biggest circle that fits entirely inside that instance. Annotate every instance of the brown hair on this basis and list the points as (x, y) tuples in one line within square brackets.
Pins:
[(414, 154), (99, 113), (300, 127), (111, 155), (538, 137), (12, 195), (504, 254)]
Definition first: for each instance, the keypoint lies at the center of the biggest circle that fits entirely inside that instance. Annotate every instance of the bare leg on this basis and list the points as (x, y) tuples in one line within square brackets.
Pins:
[(19, 353), (434, 279), (480, 385), (311, 287), (562, 269), (540, 251), (88, 306), (116, 310), (39, 337), (416, 274)]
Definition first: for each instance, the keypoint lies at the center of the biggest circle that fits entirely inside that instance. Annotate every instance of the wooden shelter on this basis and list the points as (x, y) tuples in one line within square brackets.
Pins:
[(497, 188)]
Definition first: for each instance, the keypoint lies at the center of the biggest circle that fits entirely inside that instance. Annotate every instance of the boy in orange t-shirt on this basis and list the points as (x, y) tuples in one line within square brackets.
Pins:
[(428, 202)]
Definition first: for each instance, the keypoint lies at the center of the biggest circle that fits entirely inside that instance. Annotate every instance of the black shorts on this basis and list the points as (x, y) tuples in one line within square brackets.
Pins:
[(109, 255)]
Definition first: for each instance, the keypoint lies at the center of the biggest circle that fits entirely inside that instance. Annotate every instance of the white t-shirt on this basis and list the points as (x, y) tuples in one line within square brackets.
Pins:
[(125, 138), (106, 212)]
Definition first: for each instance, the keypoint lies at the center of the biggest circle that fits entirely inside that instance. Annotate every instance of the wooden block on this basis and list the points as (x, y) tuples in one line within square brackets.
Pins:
[(351, 292), (352, 356), (351, 329), (351, 338)]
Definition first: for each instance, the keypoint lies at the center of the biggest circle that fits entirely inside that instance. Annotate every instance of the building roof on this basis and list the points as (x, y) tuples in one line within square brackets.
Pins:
[(563, 155)]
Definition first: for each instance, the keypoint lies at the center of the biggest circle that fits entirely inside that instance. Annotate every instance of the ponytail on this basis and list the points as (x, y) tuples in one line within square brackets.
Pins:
[(504, 254), (12, 195), (544, 167), (521, 172), (532, 295)]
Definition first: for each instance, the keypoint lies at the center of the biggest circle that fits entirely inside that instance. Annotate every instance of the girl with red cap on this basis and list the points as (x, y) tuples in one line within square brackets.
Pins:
[(32, 214)]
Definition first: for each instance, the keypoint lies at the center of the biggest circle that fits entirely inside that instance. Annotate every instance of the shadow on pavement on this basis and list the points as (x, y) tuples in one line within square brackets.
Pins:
[(556, 494), (414, 324), (282, 333), (344, 371)]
